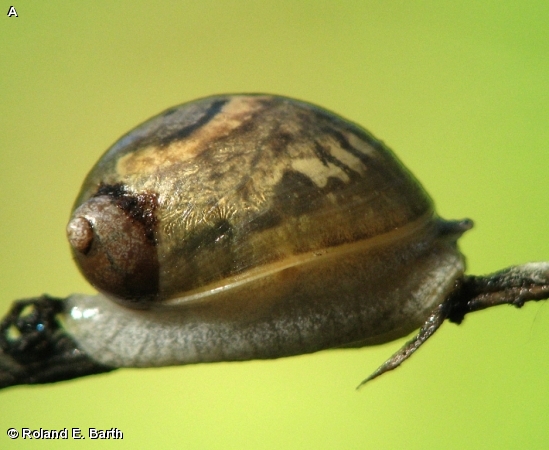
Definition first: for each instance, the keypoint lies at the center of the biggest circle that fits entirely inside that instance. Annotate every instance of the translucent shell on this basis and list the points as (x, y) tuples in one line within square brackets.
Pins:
[(261, 212)]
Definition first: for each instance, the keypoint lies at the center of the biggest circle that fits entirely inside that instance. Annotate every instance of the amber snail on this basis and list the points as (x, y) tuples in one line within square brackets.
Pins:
[(240, 227)]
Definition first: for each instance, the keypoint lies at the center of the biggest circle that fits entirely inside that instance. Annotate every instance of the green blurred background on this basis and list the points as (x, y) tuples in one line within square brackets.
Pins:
[(458, 89)]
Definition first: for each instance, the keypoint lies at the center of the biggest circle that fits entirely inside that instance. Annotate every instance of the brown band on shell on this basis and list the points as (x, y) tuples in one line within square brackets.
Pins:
[(326, 157), (182, 133), (140, 206)]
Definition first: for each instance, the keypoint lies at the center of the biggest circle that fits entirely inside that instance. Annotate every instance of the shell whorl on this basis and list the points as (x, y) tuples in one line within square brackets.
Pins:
[(248, 180)]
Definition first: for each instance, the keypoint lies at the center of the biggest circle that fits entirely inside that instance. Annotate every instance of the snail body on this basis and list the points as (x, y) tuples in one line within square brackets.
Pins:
[(240, 227), (252, 226)]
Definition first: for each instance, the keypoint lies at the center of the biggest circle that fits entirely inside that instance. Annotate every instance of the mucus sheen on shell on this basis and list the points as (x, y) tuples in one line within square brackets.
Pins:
[(231, 190)]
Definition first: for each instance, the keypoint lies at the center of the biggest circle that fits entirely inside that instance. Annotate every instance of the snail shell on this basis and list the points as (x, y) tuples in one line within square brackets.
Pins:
[(253, 226)]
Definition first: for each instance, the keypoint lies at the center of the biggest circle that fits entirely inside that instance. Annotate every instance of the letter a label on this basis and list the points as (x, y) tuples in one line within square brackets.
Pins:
[(12, 12)]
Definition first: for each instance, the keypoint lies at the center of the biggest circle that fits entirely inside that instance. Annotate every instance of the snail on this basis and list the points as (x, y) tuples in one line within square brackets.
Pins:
[(241, 227)]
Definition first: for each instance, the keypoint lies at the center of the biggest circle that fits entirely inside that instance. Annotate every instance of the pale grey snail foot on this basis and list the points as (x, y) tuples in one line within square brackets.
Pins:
[(515, 286)]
